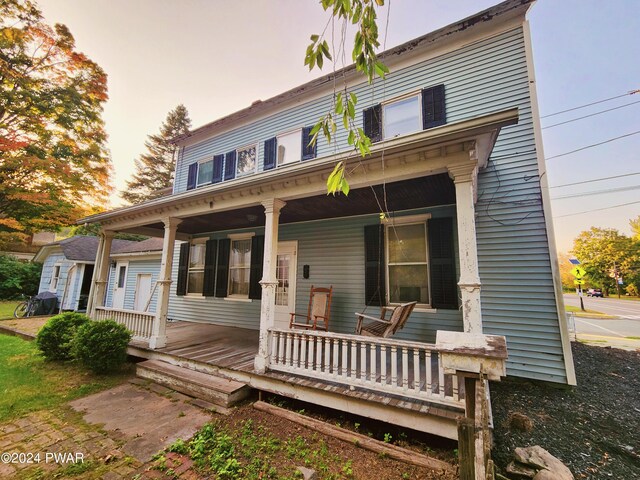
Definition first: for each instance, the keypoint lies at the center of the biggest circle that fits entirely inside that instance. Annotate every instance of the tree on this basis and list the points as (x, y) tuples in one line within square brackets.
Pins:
[(601, 250), (154, 169), (635, 228), (53, 161)]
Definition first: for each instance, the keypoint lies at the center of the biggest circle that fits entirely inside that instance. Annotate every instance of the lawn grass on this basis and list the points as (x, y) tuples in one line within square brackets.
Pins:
[(570, 308), (29, 383), (7, 307)]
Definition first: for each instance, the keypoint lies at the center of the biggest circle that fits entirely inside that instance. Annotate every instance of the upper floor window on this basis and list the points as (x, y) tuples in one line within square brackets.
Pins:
[(289, 150), (401, 117), (205, 172), (246, 160), (424, 110)]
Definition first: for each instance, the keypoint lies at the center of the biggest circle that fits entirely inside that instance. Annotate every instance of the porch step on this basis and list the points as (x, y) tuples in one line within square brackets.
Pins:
[(219, 391)]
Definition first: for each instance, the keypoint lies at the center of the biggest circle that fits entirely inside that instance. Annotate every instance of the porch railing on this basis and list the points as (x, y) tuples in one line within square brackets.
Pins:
[(407, 369), (139, 323)]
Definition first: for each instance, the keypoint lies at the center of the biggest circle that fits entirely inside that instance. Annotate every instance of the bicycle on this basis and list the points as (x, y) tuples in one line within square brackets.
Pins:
[(27, 308)]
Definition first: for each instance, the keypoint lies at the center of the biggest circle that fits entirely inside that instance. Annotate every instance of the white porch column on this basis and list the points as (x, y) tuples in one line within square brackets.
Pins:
[(272, 209), (464, 177), (159, 330), (101, 272)]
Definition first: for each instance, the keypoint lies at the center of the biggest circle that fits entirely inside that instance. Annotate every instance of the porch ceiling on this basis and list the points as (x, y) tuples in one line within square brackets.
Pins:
[(427, 191)]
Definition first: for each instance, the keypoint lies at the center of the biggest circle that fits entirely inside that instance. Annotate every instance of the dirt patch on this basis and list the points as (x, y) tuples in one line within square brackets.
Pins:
[(30, 325), (593, 428), (266, 446)]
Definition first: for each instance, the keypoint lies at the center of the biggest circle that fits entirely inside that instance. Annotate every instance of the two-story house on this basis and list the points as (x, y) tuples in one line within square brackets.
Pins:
[(457, 170)]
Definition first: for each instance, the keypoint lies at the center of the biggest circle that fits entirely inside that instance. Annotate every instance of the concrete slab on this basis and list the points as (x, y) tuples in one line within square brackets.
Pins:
[(143, 420)]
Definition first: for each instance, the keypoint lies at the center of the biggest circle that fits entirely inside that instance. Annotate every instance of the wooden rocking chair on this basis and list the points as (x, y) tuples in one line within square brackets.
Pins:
[(383, 327), (317, 316)]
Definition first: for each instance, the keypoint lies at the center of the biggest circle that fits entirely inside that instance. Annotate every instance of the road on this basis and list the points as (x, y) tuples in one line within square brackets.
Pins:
[(629, 309), (625, 326)]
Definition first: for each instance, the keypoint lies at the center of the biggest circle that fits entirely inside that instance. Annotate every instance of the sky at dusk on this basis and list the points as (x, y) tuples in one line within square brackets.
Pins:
[(217, 57)]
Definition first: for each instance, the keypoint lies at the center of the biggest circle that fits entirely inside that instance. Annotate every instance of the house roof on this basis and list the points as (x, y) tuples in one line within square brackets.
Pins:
[(84, 248), (504, 9)]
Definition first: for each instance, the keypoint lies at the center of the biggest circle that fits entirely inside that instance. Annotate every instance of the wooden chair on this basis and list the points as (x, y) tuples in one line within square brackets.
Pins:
[(383, 327), (319, 310)]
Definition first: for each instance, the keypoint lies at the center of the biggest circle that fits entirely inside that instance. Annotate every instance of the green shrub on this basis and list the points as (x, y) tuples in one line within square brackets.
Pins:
[(102, 345), (55, 339), (18, 277)]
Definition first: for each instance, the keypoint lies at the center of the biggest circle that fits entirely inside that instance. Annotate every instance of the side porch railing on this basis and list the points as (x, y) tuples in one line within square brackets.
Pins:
[(407, 369), (140, 323)]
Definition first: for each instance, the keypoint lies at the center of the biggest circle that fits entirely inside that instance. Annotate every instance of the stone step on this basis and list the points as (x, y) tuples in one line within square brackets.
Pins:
[(217, 390)]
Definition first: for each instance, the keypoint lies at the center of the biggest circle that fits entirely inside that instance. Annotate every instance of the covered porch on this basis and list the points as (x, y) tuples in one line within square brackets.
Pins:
[(407, 176)]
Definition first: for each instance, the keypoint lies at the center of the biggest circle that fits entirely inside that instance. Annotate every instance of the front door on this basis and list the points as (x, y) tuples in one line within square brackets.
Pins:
[(143, 292), (120, 284), (286, 269)]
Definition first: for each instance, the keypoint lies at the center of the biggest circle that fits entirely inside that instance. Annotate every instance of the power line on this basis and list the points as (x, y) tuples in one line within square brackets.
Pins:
[(597, 209), (589, 104), (597, 192), (591, 115), (595, 180), (594, 145)]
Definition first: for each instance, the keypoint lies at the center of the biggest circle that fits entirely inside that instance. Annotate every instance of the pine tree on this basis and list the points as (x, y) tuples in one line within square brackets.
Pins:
[(154, 169)]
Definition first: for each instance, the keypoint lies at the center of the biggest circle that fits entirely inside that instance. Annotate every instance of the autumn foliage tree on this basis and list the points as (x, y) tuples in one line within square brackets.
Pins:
[(54, 165), (154, 169)]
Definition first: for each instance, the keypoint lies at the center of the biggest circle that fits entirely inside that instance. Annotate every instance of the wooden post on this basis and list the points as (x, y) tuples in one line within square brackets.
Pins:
[(465, 177), (466, 448), (102, 274), (159, 330), (269, 281)]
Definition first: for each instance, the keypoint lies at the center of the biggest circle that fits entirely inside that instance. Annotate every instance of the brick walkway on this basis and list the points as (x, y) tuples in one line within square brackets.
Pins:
[(96, 451)]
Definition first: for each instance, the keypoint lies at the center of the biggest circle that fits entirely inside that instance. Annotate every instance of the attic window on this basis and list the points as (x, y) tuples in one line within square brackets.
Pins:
[(205, 171)]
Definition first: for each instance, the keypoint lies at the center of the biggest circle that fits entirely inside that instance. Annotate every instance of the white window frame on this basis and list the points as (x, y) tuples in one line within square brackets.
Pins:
[(255, 166), (390, 223), (236, 237), (53, 285), (396, 100), (196, 241), (200, 163), (290, 133)]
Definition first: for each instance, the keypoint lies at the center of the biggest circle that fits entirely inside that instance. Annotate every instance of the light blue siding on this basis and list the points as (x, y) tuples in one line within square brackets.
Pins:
[(518, 298), (47, 272), (135, 268)]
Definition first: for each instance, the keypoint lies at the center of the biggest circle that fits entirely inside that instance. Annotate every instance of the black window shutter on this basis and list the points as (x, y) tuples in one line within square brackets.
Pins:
[(270, 149), (255, 274), (211, 252), (218, 163), (222, 271), (372, 123), (183, 269), (374, 273), (192, 176), (308, 151), (442, 264), (230, 165), (434, 111)]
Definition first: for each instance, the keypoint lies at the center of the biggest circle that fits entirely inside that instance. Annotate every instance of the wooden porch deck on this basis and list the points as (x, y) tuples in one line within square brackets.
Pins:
[(230, 352), (225, 347)]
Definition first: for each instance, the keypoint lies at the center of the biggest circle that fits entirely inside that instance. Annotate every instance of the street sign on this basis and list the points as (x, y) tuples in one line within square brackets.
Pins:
[(574, 261), (578, 272), (579, 282)]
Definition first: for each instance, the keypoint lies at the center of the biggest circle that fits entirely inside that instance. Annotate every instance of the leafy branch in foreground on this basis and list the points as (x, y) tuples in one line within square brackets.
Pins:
[(363, 14)]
